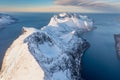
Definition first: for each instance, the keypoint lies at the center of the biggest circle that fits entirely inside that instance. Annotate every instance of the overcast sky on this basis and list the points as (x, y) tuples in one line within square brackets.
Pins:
[(105, 6)]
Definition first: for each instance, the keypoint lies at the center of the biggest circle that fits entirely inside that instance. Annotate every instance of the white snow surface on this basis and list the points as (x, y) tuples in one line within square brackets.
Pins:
[(49, 51), (19, 64), (42, 54), (71, 20)]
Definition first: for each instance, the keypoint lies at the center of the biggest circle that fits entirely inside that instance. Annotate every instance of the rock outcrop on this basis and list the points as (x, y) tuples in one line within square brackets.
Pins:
[(117, 43)]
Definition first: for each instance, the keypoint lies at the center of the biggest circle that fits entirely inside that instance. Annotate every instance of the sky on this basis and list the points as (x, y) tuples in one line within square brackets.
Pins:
[(90, 6)]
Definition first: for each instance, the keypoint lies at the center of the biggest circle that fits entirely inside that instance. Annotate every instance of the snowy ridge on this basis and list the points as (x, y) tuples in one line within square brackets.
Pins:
[(6, 19), (15, 60), (57, 48)]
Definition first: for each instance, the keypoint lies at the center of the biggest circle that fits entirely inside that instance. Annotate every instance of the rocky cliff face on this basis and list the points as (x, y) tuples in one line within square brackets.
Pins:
[(117, 43), (52, 53)]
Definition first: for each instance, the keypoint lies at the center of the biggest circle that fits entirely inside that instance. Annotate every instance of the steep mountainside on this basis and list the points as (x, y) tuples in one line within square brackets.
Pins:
[(51, 53), (117, 43)]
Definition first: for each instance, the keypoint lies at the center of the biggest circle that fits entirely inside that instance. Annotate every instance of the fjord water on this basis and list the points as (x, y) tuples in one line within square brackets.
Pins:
[(99, 62)]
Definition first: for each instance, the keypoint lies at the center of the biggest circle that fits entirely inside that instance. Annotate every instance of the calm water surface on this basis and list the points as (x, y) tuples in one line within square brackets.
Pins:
[(100, 61)]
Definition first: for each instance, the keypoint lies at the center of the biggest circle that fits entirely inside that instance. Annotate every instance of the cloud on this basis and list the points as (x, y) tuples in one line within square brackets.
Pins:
[(98, 5)]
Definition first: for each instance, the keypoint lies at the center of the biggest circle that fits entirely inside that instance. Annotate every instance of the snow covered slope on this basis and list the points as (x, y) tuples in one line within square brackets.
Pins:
[(52, 53), (71, 20), (19, 64), (6, 19)]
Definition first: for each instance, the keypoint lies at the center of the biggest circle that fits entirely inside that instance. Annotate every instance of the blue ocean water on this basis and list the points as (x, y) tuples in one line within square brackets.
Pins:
[(99, 62)]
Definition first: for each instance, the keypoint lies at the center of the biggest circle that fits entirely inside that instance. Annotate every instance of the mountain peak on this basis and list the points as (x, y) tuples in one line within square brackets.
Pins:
[(72, 20)]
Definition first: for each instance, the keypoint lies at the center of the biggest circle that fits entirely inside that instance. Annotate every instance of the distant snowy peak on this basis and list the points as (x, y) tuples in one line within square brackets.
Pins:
[(72, 20), (6, 19)]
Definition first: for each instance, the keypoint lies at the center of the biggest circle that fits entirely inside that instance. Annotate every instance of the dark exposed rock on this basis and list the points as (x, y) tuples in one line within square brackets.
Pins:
[(61, 63), (117, 43)]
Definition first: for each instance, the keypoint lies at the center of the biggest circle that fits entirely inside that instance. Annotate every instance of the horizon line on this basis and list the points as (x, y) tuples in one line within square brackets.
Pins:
[(56, 12)]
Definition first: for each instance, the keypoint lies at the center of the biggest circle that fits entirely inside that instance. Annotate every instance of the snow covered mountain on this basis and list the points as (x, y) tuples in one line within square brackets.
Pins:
[(51, 53), (71, 20), (6, 19)]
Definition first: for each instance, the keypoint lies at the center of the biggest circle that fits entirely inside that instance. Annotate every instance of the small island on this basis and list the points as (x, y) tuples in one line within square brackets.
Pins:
[(6, 19)]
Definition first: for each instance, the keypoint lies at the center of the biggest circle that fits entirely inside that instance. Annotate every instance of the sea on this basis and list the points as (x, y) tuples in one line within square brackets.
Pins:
[(99, 62)]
